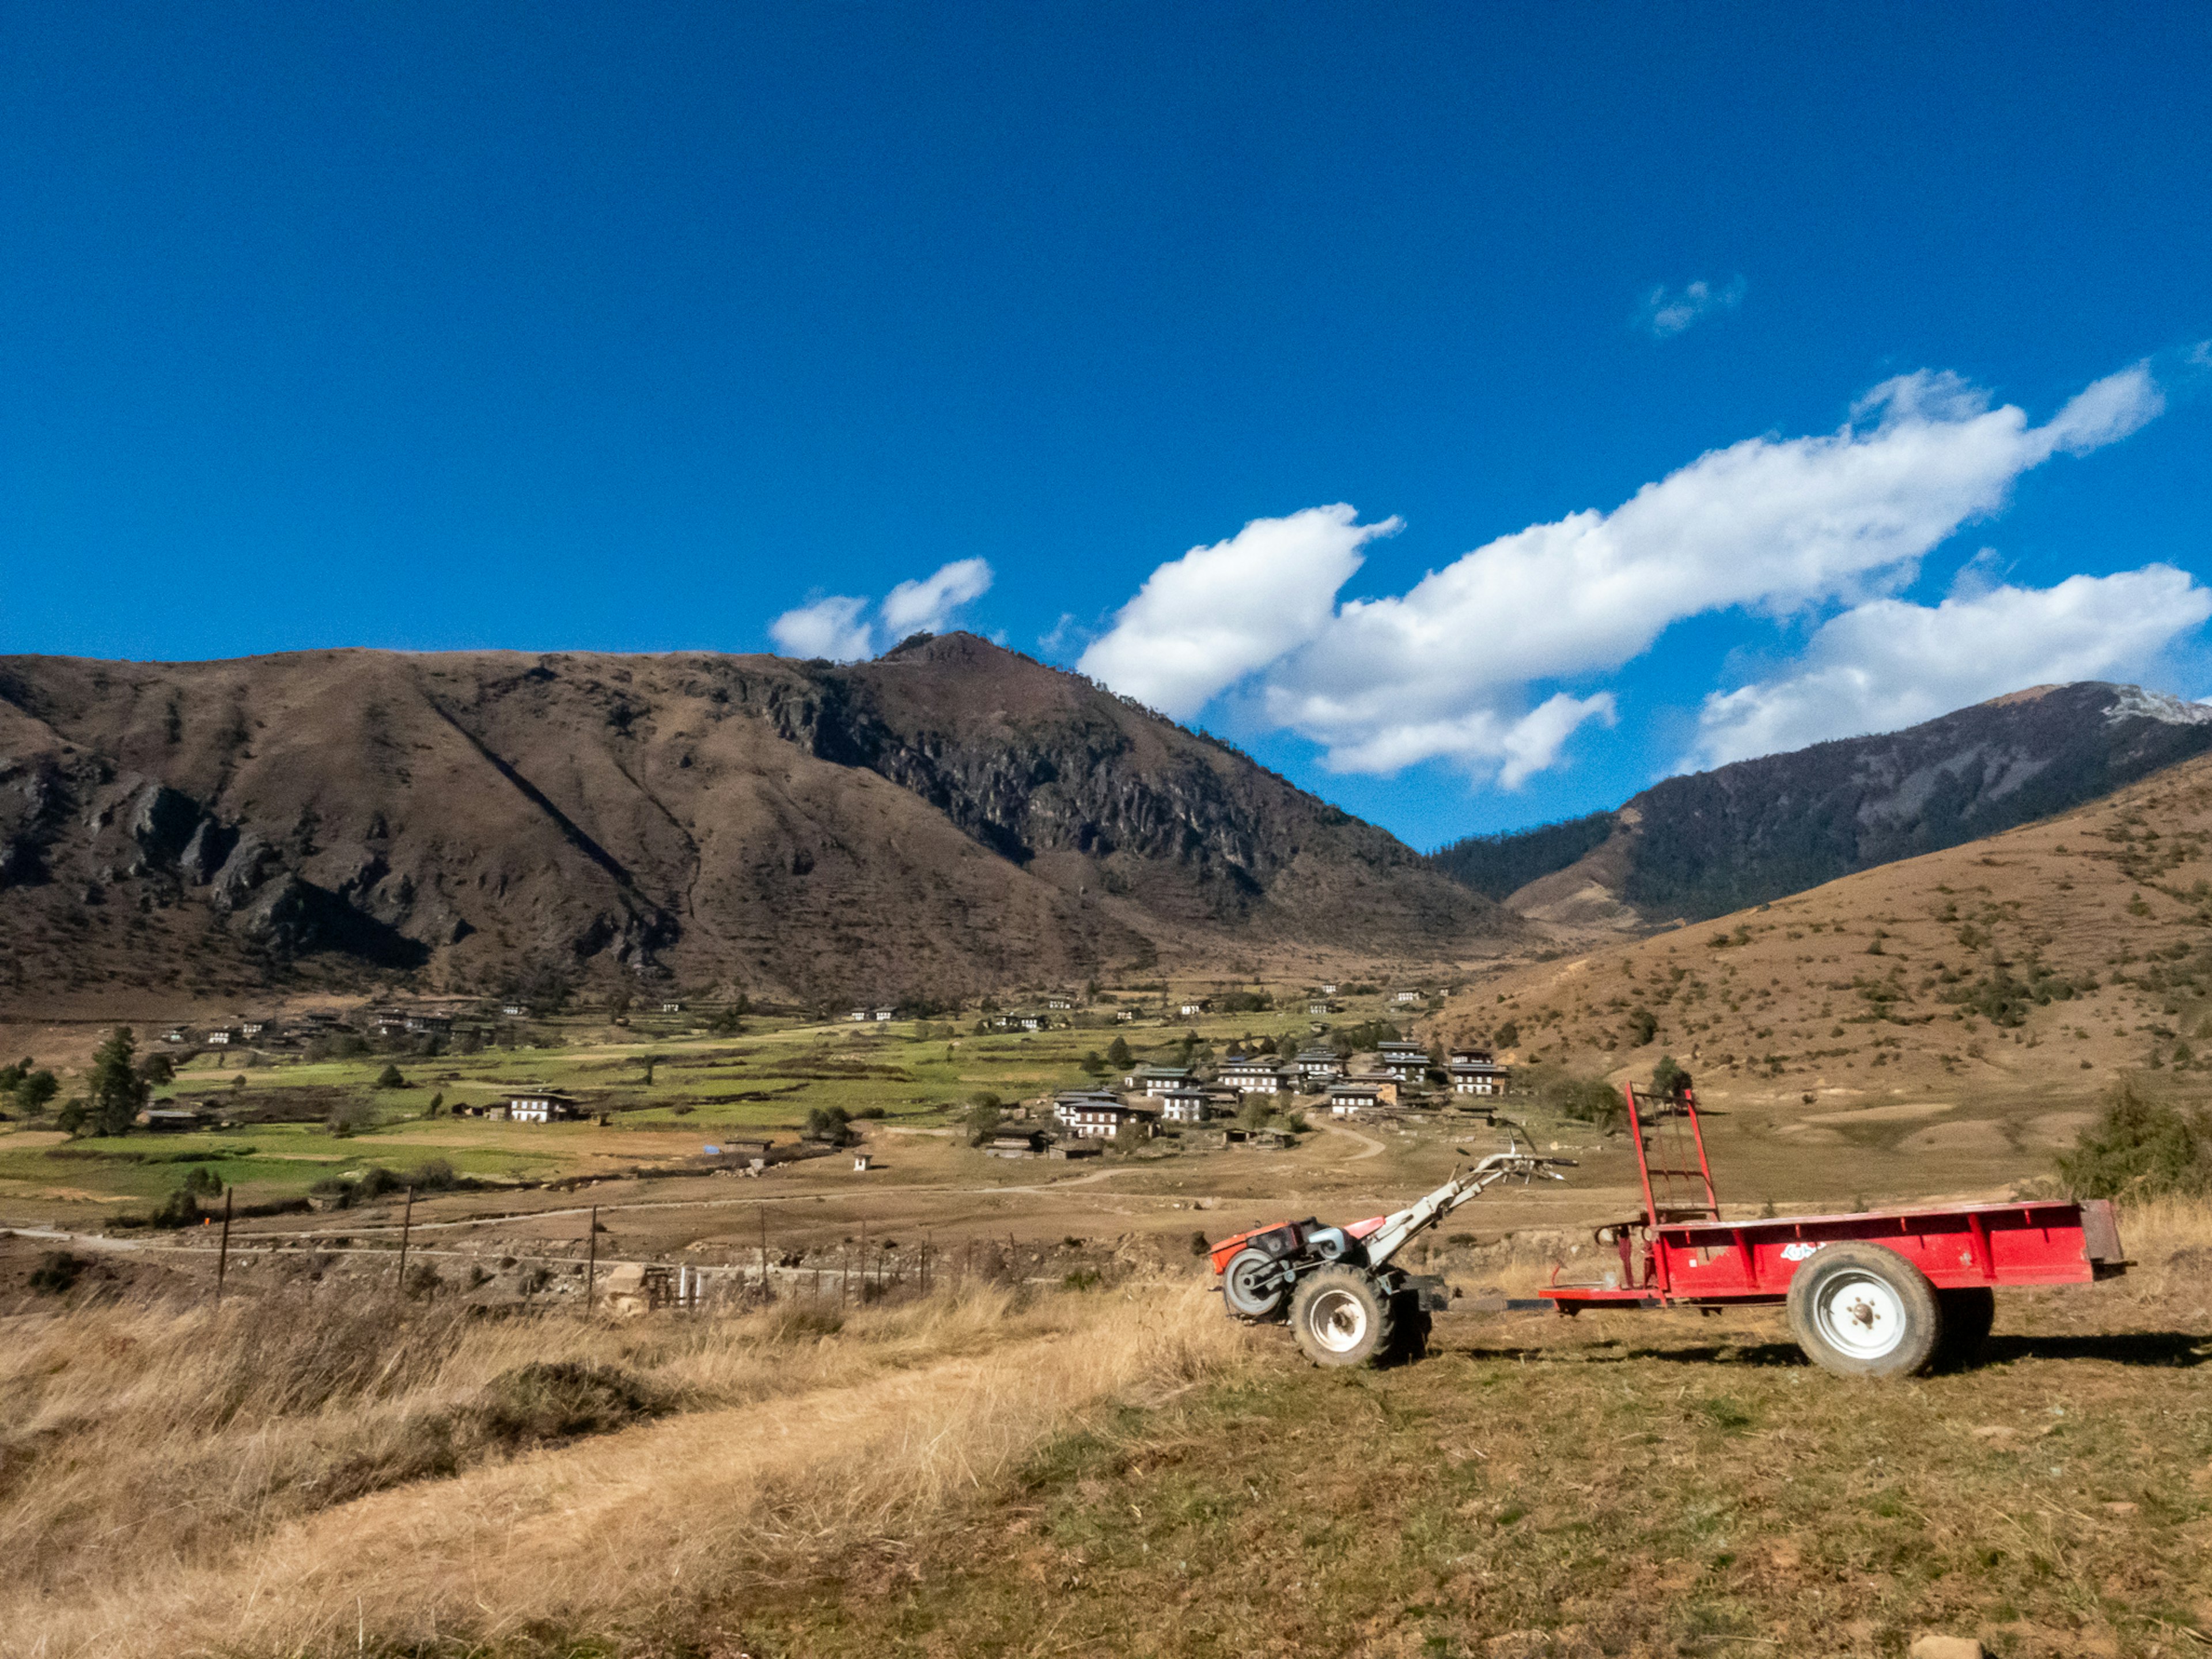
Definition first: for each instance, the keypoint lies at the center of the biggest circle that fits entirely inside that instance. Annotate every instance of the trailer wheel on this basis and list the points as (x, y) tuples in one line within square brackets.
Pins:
[(1341, 1317), (1253, 1285), (1863, 1310), (1967, 1316)]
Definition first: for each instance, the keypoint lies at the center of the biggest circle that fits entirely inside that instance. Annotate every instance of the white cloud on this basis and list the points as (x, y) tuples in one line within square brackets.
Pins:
[(828, 626), (837, 627), (1443, 671), (927, 606), (1204, 621), (1666, 311), (1886, 663)]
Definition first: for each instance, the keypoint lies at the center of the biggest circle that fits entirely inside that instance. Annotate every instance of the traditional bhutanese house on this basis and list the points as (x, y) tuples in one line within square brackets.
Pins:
[(251, 1028), (1404, 1060), (1408, 998), (1255, 1074), (671, 1007), (1473, 1071), (541, 1106), (1354, 1099), (1100, 1120), (1323, 1006), (514, 1010), (884, 1015), (1384, 1084), (1319, 1065), (174, 1034), (1065, 1103), (430, 1024), (170, 1120), (1328, 990), (220, 1037), (1060, 1002), (1125, 1015), (859, 1016), (1156, 1079), (1185, 1105)]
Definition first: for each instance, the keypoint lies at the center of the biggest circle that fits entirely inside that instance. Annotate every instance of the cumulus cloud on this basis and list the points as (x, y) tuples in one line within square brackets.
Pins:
[(1888, 663), (837, 626), (1204, 621), (1666, 311), (830, 627), (1769, 523), (927, 606), (1449, 669)]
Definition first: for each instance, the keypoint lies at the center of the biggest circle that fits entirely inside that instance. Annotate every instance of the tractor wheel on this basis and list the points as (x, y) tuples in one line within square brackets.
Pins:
[(1341, 1317), (1255, 1285), (1967, 1316), (1863, 1310)]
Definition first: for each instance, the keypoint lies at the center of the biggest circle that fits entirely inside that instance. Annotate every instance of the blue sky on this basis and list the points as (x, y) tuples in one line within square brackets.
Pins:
[(648, 328)]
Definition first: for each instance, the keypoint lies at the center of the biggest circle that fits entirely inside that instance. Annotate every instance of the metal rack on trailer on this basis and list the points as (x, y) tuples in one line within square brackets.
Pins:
[(1881, 1293)]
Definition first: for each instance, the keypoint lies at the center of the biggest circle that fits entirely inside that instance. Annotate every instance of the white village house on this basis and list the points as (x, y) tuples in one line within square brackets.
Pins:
[(1256, 1074), (1475, 1072), (1404, 1060), (541, 1106), (1354, 1099), (1185, 1105), (1319, 1065)]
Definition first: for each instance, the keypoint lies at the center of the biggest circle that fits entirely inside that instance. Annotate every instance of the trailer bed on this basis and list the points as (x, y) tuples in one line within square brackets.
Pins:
[(1957, 1247)]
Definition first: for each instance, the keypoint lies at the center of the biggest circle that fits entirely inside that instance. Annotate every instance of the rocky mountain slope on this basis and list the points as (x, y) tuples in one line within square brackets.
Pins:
[(1700, 846), (948, 818)]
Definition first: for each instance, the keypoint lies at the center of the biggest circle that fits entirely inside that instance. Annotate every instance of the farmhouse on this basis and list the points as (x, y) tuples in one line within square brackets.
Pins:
[(1256, 1074), (1408, 998), (1323, 1006), (541, 1106), (1106, 1120), (883, 1016), (1354, 1099), (1404, 1060), (1185, 1105), (1319, 1065), (1474, 1072), (1060, 1002), (1384, 1084), (220, 1037), (1195, 1007), (1156, 1079)]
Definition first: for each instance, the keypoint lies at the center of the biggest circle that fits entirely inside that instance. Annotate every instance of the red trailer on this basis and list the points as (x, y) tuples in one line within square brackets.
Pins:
[(1884, 1293)]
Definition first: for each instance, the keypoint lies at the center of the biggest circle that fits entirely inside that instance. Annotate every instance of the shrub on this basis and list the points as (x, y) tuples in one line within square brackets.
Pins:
[(57, 1271), (545, 1401), (389, 1078), (2142, 1146)]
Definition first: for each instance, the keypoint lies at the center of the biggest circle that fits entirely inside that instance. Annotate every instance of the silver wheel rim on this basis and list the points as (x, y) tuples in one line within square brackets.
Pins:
[(1243, 1289), (1860, 1315), (1337, 1320)]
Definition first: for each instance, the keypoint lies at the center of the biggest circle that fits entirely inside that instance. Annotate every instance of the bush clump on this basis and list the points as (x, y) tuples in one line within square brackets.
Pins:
[(544, 1401), (2143, 1145)]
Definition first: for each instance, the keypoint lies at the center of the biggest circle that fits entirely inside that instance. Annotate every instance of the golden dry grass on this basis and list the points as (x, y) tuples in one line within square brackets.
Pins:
[(169, 1469)]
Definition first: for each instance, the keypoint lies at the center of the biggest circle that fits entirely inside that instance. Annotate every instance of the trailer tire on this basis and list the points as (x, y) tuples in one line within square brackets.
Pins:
[(1252, 1285), (1968, 1315), (1342, 1317), (1864, 1310)]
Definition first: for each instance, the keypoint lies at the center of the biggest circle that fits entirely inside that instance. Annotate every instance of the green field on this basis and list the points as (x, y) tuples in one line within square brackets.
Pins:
[(667, 1090)]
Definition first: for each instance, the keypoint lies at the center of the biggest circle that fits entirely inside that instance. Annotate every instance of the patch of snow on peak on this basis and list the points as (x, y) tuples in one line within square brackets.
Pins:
[(2135, 703)]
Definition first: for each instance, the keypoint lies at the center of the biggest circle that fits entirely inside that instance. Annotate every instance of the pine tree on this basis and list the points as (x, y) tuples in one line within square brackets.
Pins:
[(117, 1093)]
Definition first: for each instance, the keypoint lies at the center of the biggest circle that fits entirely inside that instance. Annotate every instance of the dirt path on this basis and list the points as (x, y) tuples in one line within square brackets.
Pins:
[(1373, 1147)]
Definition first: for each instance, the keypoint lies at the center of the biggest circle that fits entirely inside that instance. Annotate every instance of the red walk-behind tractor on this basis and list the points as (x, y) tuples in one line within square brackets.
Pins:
[(1884, 1293), (1346, 1304)]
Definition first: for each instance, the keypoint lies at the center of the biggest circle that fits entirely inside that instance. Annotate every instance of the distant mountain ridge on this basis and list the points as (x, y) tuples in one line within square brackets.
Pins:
[(1701, 845), (949, 818)]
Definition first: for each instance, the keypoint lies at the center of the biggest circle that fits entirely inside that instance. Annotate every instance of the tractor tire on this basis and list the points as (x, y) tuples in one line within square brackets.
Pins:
[(1967, 1316), (1863, 1311), (1255, 1285), (1342, 1317)]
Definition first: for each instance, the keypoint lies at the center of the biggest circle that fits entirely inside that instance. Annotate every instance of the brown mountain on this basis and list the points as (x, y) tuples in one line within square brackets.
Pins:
[(1752, 832), (948, 818)]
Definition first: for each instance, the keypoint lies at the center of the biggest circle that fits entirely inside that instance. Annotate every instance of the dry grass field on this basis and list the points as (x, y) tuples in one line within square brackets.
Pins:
[(2007, 978), (996, 1471)]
